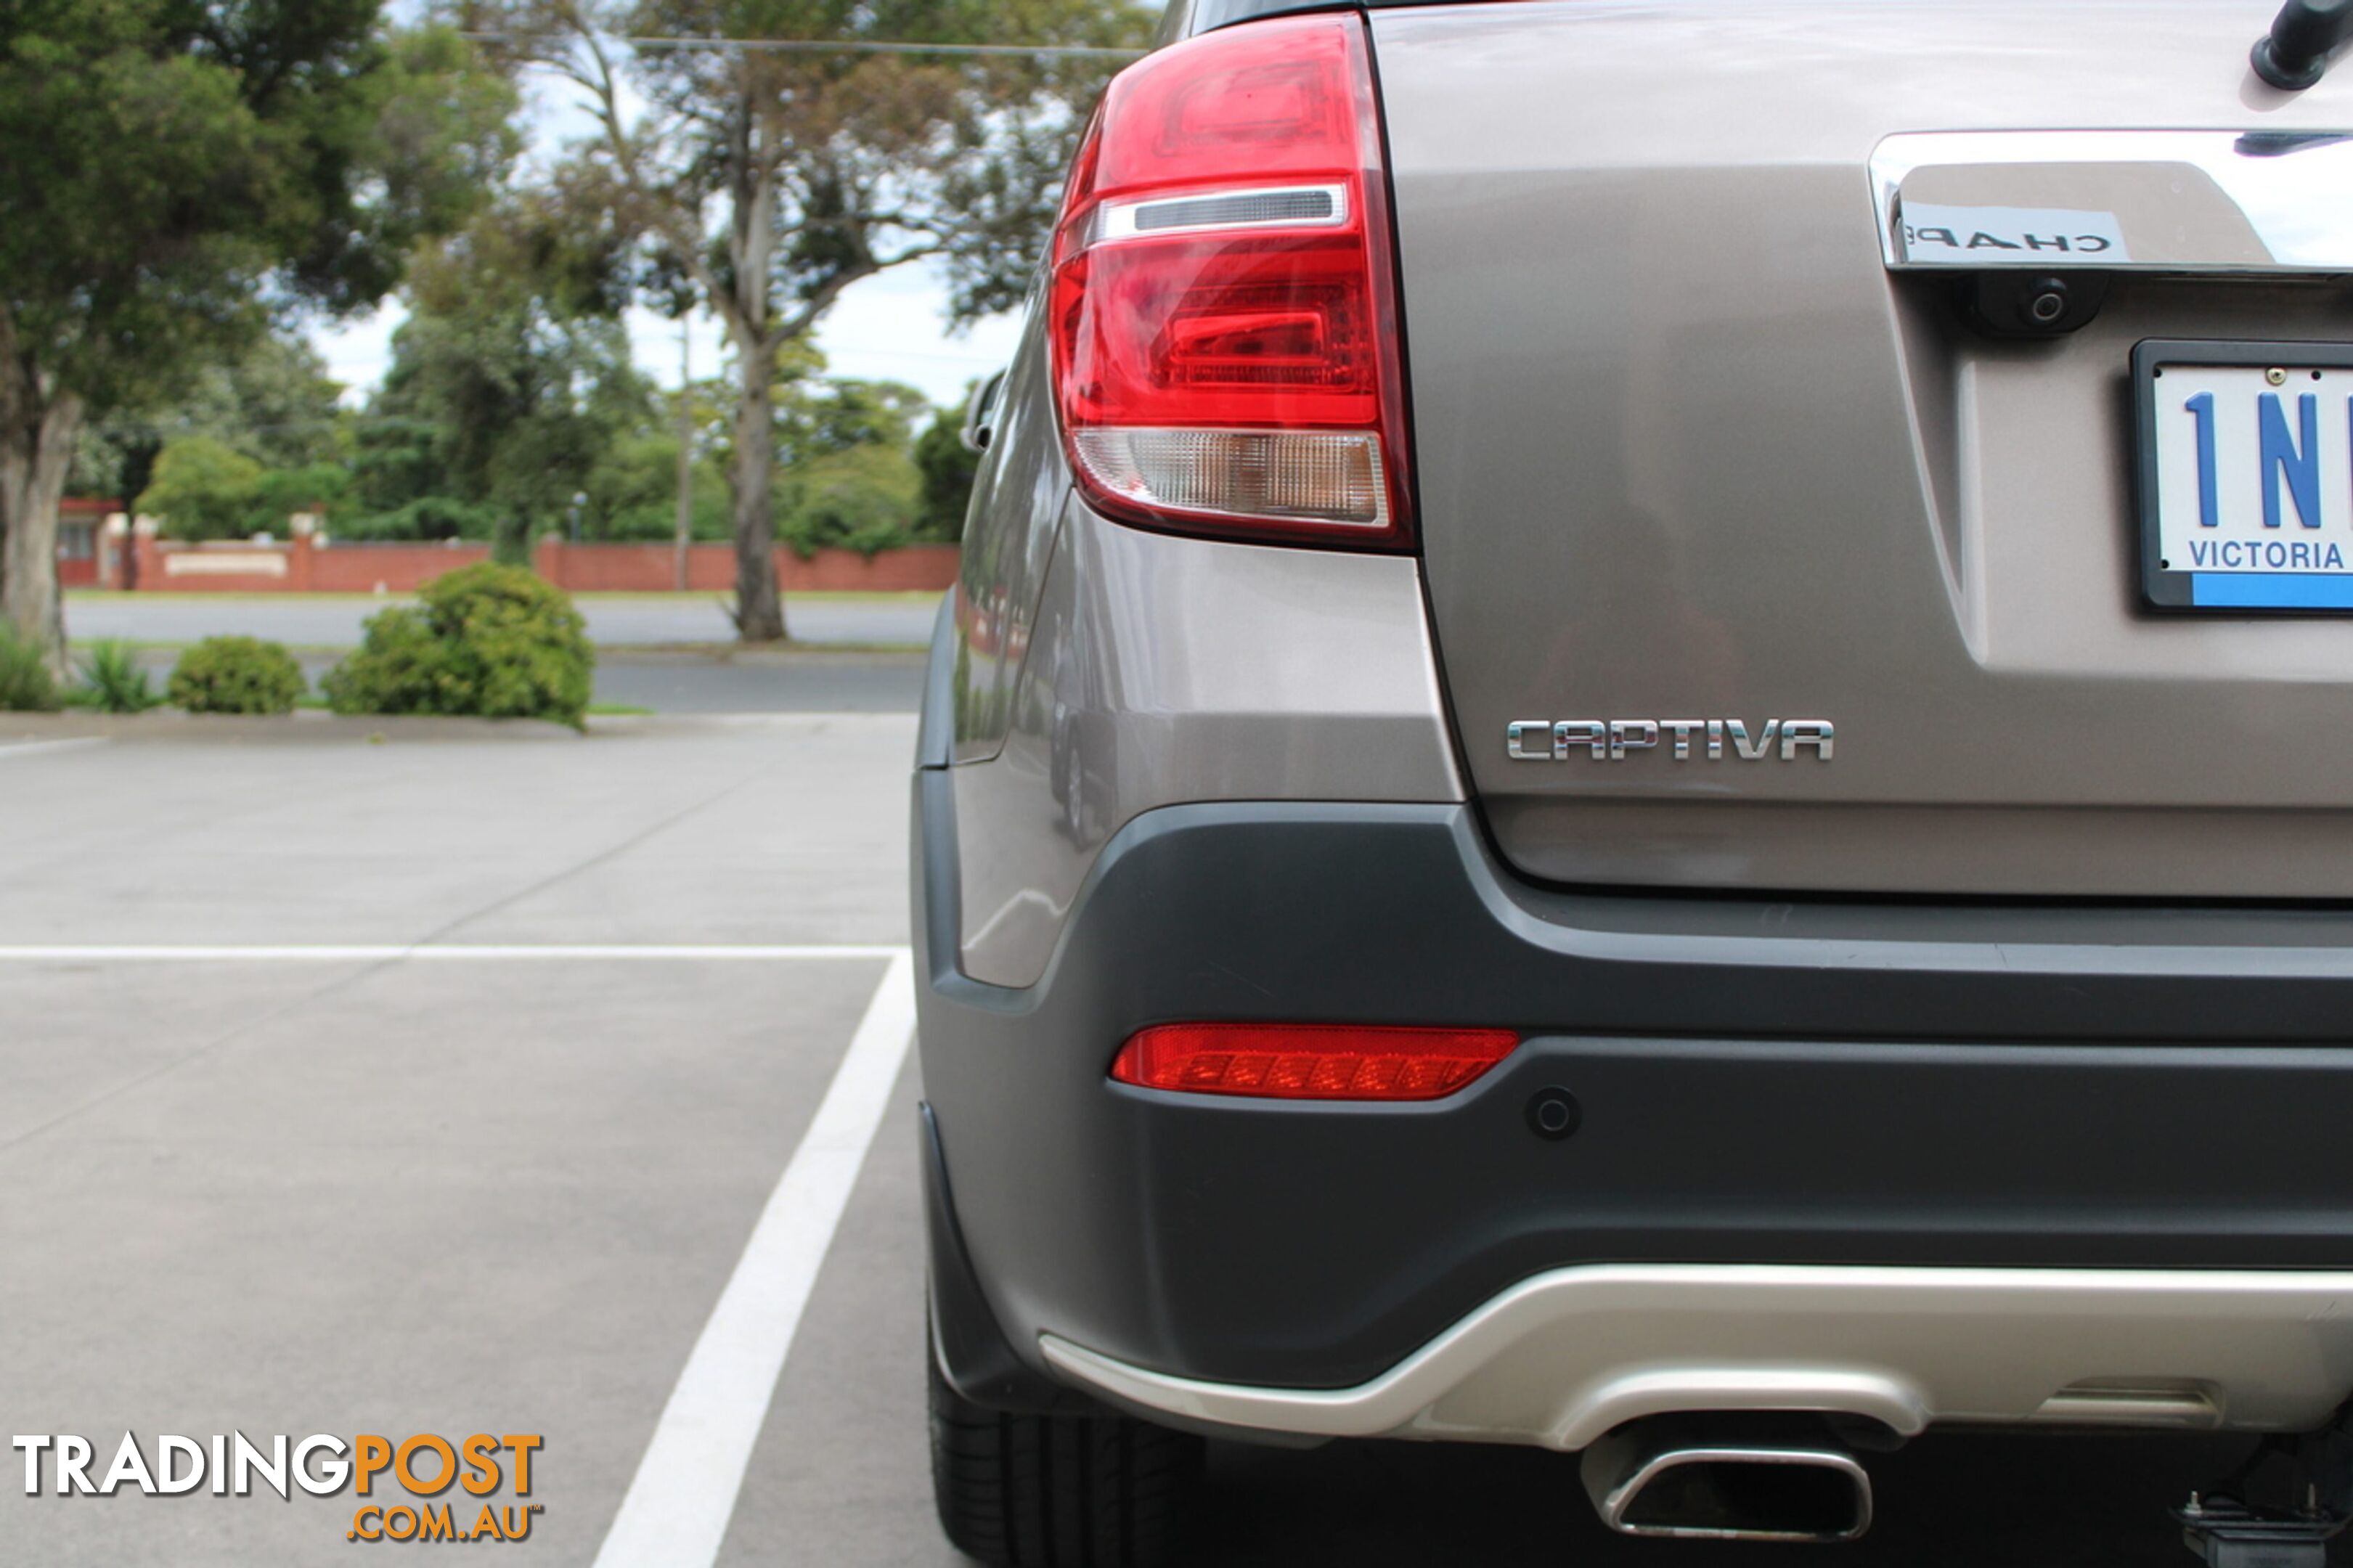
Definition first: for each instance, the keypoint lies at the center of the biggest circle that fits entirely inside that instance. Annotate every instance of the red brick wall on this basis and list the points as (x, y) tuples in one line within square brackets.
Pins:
[(633, 568), (358, 568), (918, 568), (710, 568)]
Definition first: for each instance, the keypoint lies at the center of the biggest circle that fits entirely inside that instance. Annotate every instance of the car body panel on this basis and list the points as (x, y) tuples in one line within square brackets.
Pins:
[(1161, 670), (1688, 449), (1010, 531)]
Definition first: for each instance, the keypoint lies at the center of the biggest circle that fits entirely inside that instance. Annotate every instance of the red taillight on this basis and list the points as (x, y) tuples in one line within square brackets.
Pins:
[(1224, 316), (1310, 1061)]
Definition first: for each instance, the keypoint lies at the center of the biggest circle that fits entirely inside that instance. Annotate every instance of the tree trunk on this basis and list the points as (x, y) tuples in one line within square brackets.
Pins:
[(36, 443), (751, 250), (759, 607), (137, 472)]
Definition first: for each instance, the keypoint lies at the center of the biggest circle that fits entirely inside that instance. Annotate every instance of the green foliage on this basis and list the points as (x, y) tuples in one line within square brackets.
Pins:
[(114, 681), (280, 493), (489, 641), (424, 519), (816, 416), (948, 469), (633, 492), (511, 382), (849, 480), (274, 403), (168, 161), (236, 675), (863, 499), (25, 684), (204, 489)]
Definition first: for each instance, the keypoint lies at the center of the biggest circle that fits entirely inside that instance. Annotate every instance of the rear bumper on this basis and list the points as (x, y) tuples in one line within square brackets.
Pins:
[(1836, 1088), (1559, 1360)]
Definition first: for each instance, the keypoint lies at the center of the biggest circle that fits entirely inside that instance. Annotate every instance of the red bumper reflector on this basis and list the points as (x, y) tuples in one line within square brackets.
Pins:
[(1310, 1061)]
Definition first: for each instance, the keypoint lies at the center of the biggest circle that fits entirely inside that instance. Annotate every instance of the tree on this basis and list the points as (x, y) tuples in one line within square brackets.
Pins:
[(848, 478), (510, 380), (633, 491), (818, 415), (175, 169), (274, 403), (204, 489), (948, 467), (763, 183), (862, 498)]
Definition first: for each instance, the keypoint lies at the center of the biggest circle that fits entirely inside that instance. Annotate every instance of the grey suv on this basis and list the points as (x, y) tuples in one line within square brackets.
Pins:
[(1647, 748)]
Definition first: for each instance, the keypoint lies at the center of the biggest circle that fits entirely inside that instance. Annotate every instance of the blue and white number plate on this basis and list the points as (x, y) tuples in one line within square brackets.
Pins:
[(2246, 476)]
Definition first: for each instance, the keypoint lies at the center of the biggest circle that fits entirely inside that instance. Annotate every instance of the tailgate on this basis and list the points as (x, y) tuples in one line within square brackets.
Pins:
[(1704, 437)]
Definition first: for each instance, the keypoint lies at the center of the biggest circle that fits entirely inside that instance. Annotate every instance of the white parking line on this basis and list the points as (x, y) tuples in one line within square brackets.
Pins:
[(676, 1512), (26, 748), (438, 953)]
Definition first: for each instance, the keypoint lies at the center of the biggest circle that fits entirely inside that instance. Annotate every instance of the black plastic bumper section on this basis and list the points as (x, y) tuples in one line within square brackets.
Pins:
[(1758, 1082)]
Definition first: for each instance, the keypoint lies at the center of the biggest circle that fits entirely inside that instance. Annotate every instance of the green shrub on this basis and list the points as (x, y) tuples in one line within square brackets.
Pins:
[(25, 684), (114, 681), (488, 641), (236, 675)]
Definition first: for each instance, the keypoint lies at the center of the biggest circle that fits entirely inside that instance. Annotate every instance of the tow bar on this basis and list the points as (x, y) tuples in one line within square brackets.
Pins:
[(2283, 1507)]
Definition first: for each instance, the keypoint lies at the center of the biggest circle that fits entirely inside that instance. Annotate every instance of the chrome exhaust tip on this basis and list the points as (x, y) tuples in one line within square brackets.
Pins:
[(1664, 1483)]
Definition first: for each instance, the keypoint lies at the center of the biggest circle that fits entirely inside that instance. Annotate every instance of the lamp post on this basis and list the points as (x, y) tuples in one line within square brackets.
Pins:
[(685, 528)]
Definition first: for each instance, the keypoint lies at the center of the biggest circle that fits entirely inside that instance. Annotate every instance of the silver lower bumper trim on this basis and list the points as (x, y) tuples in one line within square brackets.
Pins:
[(1560, 1359)]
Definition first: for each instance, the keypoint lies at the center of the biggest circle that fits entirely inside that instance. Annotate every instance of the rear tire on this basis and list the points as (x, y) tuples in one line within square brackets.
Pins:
[(1058, 1491)]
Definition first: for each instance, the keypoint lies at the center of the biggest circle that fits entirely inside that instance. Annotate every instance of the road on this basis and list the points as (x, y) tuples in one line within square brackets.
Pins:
[(425, 1084), (810, 683), (335, 620)]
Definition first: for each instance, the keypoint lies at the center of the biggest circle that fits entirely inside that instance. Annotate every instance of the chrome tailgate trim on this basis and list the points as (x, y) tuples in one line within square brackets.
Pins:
[(2178, 202)]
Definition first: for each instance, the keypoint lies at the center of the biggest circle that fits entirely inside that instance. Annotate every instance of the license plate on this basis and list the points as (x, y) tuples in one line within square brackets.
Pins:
[(2246, 476)]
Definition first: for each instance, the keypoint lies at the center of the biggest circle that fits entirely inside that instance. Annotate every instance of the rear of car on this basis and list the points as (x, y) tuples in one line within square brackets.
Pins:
[(1644, 751)]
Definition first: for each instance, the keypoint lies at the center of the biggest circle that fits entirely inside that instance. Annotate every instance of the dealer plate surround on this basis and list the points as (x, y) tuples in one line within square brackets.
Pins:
[(2245, 470)]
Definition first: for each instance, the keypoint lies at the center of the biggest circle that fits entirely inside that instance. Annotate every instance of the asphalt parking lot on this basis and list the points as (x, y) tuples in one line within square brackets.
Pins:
[(454, 1082)]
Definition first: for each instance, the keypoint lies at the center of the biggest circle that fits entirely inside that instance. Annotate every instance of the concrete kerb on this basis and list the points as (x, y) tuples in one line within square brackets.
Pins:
[(312, 727), (305, 725)]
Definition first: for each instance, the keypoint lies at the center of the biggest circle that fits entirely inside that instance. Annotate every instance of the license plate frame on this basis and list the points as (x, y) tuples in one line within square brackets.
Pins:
[(2174, 586)]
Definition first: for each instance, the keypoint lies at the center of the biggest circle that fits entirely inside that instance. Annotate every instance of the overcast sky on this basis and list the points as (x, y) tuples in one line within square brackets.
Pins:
[(893, 326)]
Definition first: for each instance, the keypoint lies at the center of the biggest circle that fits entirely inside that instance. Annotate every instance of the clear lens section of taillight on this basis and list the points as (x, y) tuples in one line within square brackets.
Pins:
[(1310, 1061), (1306, 475), (1224, 314)]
